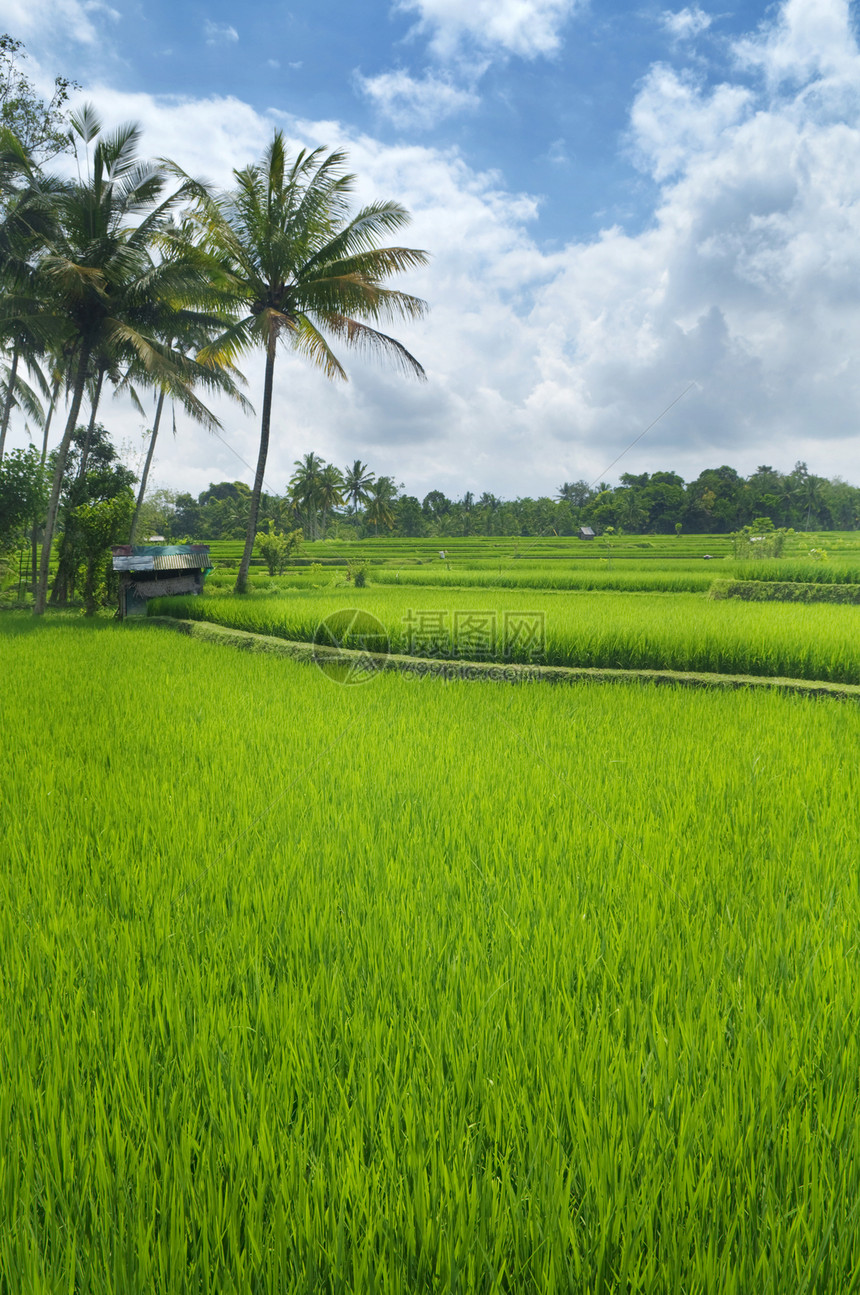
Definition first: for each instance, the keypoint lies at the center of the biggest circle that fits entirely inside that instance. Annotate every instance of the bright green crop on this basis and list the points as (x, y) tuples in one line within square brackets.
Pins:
[(417, 988)]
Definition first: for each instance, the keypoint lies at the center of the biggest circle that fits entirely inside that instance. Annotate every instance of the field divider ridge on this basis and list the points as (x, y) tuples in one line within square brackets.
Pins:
[(496, 671)]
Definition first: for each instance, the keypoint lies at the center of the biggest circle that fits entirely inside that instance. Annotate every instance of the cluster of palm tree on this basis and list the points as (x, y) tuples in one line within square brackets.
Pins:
[(317, 488), (135, 277)]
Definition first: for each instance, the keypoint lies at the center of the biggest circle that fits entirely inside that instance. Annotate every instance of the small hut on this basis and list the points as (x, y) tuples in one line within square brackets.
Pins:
[(586, 533), (158, 571)]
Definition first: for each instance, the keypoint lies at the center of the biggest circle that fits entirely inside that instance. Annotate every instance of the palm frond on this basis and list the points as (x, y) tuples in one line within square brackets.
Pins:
[(373, 343), (309, 341)]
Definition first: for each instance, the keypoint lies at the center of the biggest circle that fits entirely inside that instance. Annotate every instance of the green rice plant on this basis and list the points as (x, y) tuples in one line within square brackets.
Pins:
[(614, 630), (799, 571), (635, 580), (419, 988)]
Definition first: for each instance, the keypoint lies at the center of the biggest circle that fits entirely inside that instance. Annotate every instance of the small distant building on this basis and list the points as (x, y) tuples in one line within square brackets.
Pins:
[(586, 533), (158, 571)]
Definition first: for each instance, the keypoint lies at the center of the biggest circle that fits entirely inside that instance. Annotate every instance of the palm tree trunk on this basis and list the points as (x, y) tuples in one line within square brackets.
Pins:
[(144, 476), (85, 452), (41, 593), (34, 538), (9, 401), (241, 586), (54, 397), (63, 591)]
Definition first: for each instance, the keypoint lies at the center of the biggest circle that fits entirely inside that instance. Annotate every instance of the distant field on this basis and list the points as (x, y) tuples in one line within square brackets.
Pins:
[(479, 551), (417, 988)]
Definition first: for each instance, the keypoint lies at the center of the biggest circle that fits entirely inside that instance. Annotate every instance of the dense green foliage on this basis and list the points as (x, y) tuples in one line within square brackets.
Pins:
[(420, 988), (719, 500)]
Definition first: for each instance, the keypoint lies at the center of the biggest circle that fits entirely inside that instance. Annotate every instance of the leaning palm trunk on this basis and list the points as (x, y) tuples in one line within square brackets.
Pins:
[(135, 521), (41, 593), (85, 452), (63, 591), (9, 401), (55, 393), (34, 539), (242, 578)]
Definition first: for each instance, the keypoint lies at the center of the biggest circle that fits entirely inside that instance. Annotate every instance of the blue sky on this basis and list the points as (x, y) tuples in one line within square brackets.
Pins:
[(621, 202)]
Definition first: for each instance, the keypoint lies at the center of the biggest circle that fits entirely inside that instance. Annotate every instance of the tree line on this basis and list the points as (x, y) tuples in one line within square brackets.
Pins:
[(135, 277), (353, 502)]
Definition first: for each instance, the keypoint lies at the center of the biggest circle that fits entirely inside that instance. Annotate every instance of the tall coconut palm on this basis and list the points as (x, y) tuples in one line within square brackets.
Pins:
[(305, 490), (379, 511), (357, 481), (330, 492), (305, 269), (99, 290)]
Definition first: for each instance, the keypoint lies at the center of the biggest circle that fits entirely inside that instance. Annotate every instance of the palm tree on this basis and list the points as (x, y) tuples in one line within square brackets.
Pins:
[(305, 490), (303, 268), (98, 290), (357, 481), (330, 491), (379, 511)]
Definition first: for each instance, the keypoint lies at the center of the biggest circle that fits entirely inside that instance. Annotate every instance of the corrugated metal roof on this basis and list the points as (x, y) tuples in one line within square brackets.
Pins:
[(181, 562), (165, 557)]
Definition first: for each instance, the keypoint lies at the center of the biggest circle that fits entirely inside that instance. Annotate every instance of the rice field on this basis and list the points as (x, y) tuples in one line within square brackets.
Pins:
[(615, 630), (420, 987)]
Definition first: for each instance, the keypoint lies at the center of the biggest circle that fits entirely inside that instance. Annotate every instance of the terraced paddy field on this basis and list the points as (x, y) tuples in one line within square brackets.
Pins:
[(420, 987), (614, 630)]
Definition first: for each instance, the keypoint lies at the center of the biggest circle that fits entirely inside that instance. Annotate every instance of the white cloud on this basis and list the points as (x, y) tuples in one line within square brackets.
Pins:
[(685, 24), (524, 27), (60, 20), (673, 120), (544, 365), (422, 103), (219, 33), (807, 40)]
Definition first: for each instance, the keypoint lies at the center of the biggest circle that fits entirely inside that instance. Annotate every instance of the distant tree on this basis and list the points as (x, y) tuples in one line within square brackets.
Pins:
[(357, 481), (380, 510), (305, 491), (330, 491), (409, 519), (158, 513), (435, 505), (577, 493)]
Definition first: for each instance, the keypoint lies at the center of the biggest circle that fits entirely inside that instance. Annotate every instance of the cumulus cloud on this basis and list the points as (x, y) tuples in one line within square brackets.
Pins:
[(421, 103), (524, 27), (545, 364)]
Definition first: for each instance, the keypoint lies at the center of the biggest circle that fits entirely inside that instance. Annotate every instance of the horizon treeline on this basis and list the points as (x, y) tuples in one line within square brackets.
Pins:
[(331, 503)]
